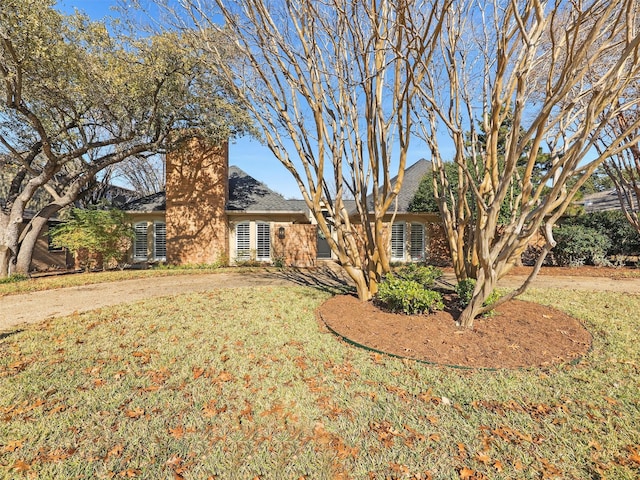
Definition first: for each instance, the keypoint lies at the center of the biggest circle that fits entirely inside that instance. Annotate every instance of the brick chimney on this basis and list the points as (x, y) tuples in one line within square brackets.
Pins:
[(197, 194)]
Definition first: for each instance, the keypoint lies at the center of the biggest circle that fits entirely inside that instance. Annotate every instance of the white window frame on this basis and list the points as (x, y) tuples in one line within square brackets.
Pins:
[(263, 234), (413, 248), (159, 241), (398, 244), (140, 242), (243, 241)]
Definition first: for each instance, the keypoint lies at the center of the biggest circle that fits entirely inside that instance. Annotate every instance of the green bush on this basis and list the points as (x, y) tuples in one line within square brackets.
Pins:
[(278, 261), (577, 245), (99, 232), (407, 296), (465, 288), (424, 275), (624, 239), (14, 278)]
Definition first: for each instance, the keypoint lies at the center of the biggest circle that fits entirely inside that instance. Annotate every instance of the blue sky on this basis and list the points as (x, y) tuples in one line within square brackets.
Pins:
[(246, 153)]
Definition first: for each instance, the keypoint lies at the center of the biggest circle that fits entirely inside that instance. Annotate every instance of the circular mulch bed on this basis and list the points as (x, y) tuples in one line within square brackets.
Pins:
[(518, 334)]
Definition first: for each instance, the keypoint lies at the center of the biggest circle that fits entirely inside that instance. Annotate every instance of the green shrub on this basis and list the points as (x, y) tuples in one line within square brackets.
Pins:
[(465, 288), (614, 225), (14, 278), (577, 245), (278, 261), (424, 275), (99, 232), (407, 296)]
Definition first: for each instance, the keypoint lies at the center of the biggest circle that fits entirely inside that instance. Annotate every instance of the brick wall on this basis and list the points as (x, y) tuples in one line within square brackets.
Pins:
[(44, 259), (197, 228), (299, 246), (437, 246)]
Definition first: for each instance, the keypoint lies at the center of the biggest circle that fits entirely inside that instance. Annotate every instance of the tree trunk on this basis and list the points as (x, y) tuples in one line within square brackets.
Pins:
[(5, 260), (27, 244), (363, 287), (9, 233), (484, 288)]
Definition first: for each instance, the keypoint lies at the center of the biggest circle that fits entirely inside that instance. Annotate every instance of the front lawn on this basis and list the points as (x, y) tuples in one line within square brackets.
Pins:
[(243, 383)]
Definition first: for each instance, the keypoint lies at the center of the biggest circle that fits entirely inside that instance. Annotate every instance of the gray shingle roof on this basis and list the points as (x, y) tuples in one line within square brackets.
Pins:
[(413, 175), (156, 202), (246, 194), (249, 195), (601, 201)]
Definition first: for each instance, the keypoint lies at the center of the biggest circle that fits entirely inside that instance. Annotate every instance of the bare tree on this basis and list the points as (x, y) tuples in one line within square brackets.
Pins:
[(624, 167), (333, 79), (557, 72), (145, 174)]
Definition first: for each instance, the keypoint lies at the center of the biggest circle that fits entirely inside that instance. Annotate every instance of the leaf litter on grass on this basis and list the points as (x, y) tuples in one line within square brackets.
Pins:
[(196, 387)]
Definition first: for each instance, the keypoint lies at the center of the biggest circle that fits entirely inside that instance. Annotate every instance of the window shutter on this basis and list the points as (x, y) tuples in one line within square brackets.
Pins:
[(140, 242), (160, 241), (263, 241), (243, 242), (397, 241), (417, 242)]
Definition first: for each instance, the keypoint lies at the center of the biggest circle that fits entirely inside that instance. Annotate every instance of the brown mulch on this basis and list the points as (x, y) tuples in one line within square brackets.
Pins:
[(518, 334), (582, 271)]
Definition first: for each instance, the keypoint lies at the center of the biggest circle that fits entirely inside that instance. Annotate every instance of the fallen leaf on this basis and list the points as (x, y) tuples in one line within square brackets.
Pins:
[(483, 458), (174, 462), (466, 473), (497, 465), (595, 445), (135, 413), (116, 451), (13, 445), (223, 377), (130, 473), (21, 466)]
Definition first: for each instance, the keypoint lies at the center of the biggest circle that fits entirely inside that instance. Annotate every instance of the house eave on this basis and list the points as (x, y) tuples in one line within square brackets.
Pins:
[(264, 212)]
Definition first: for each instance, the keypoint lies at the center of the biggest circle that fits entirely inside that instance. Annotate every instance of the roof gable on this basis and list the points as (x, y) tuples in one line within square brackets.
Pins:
[(249, 195), (413, 176), (156, 202)]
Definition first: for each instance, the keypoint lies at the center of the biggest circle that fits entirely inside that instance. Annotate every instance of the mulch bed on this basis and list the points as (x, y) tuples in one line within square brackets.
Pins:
[(518, 334)]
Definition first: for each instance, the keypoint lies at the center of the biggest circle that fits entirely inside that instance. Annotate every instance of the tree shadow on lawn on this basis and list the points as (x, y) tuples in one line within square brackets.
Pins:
[(325, 279)]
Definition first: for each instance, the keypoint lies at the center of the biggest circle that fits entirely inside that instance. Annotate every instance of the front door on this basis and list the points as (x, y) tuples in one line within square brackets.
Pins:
[(323, 249)]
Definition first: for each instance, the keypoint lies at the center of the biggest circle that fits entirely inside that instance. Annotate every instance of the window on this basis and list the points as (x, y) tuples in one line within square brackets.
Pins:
[(417, 242), (397, 241), (263, 241), (159, 241), (243, 241), (140, 241), (50, 245)]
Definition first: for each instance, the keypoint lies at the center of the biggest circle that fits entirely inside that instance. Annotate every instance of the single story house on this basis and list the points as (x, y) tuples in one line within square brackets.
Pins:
[(215, 213)]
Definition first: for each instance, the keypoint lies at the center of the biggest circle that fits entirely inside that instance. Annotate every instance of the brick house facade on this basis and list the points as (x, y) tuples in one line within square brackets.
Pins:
[(215, 213)]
